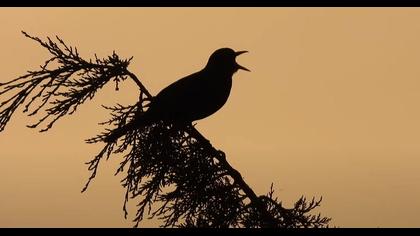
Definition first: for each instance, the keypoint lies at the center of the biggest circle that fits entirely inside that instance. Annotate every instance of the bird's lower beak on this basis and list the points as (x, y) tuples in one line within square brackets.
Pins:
[(242, 68), (239, 66)]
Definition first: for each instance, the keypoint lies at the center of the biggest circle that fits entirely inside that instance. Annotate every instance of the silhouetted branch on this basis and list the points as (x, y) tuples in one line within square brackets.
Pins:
[(176, 173), (59, 91)]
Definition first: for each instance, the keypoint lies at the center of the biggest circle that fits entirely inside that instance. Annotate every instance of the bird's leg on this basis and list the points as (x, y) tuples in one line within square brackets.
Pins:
[(197, 135)]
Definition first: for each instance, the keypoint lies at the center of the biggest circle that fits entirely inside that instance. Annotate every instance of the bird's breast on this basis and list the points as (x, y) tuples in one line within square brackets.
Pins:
[(211, 96)]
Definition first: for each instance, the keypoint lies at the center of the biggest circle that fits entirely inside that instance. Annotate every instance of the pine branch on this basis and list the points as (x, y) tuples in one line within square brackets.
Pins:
[(176, 173), (59, 91)]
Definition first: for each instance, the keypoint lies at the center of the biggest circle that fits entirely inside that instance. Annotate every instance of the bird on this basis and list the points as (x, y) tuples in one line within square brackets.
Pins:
[(190, 98)]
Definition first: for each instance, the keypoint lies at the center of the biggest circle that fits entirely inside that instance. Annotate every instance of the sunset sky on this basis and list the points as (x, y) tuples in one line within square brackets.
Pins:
[(330, 108)]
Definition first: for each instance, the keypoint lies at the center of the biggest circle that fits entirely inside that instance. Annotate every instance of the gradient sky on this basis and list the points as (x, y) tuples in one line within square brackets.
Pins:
[(331, 108)]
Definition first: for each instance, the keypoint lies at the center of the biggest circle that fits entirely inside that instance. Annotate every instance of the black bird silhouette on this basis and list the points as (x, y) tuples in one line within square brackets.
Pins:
[(191, 98)]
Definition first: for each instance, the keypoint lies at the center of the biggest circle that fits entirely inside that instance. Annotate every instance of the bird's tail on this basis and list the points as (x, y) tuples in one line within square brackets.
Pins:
[(138, 123), (115, 134)]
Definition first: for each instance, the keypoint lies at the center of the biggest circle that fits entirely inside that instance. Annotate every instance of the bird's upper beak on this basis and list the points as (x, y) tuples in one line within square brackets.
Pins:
[(239, 66)]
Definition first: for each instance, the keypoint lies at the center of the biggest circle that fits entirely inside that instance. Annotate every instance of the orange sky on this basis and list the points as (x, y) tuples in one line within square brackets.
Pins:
[(331, 108)]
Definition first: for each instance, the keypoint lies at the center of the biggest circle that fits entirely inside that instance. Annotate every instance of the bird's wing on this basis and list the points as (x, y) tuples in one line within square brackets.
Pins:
[(182, 95)]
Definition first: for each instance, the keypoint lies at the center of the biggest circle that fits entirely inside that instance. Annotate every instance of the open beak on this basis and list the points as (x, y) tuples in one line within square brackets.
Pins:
[(239, 66)]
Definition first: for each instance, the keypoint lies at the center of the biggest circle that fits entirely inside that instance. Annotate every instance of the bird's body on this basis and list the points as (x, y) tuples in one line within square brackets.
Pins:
[(191, 98)]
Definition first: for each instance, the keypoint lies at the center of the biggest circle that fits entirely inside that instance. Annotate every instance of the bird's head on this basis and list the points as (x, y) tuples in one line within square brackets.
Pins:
[(223, 59)]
